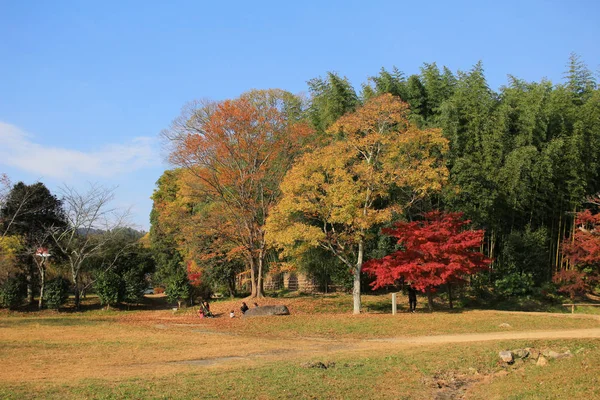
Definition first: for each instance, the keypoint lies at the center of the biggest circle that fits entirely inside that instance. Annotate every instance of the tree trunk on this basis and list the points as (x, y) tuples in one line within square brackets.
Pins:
[(430, 299), (231, 287), (357, 269), (260, 284), (450, 295), (42, 284), (253, 282), (29, 279), (76, 287)]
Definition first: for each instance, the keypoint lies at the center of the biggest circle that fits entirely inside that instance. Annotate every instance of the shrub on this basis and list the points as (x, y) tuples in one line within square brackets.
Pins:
[(11, 293), (109, 288), (56, 293), (514, 284)]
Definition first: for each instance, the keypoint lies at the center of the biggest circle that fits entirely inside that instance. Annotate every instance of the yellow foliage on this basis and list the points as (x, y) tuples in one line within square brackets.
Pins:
[(333, 195), (10, 246)]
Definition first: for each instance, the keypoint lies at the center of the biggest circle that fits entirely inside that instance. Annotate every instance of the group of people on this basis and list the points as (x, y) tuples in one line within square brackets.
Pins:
[(243, 309), (204, 310)]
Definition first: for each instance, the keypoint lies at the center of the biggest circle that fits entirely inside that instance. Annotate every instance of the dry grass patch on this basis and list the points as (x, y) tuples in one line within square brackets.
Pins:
[(396, 372)]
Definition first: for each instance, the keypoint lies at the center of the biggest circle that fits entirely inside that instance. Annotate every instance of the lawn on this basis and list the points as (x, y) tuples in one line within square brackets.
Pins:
[(165, 354)]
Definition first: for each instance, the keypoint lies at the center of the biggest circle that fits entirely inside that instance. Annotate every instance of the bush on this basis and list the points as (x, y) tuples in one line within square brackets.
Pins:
[(134, 285), (514, 284), (11, 293), (56, 293), (109, 288)]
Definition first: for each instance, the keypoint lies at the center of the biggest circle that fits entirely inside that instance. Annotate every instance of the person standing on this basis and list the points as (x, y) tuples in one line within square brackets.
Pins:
[(412, 299)]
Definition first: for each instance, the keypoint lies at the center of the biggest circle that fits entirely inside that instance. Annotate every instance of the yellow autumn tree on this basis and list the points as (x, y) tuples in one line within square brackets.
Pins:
[(10, 247), (334, 195)]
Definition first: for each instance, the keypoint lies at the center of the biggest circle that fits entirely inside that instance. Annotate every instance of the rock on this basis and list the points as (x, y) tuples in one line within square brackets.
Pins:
[(551, 354), (266, 310), (504, 325), (506, 356), (542, 361), (566, 354), (534, 353), (518, 363), (520, 353)]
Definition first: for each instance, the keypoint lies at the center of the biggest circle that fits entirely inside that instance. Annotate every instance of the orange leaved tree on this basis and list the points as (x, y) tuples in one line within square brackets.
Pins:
[(236, 153), (334, 195)]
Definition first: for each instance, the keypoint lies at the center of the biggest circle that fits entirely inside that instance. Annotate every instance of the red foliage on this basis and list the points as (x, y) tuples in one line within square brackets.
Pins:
[(573, 282), (194, 273), (436, 251), (584, 248)]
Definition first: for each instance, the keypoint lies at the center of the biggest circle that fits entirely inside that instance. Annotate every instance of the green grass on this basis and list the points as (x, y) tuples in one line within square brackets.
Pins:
[(373, 326), (409, 374)]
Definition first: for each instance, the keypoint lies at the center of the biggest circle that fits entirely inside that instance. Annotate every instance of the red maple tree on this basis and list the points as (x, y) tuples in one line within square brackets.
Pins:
[(435, 251), (583, 251)]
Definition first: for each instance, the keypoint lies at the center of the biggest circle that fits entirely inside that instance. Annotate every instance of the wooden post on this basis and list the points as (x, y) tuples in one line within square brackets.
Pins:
[(394, 305)]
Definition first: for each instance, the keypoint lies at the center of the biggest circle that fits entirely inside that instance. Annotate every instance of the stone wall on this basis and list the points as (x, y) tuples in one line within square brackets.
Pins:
[(293, 281)]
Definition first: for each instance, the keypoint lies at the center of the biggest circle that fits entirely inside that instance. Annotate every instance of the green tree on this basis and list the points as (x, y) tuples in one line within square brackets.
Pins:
[(331, 97), (178, 288), (31, 212), (109, 288)]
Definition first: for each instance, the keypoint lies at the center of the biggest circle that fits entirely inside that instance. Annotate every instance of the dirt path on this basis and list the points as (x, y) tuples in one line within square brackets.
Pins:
[(593, 333), (316, 347)]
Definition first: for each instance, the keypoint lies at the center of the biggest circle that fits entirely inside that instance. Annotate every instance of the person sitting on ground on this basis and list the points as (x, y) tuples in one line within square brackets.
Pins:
[(255, 304), (205, 310), (231, 314), (244, 307)]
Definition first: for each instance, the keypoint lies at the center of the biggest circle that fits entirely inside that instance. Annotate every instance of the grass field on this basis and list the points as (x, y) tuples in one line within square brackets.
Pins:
[(165, 355)]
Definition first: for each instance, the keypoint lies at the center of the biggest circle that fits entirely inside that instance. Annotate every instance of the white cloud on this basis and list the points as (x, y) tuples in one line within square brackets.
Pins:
[(19, 150)]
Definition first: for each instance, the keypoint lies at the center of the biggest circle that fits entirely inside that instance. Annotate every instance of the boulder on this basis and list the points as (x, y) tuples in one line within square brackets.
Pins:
[(506, 356), (520, 353), (504, 325), (542, 361), (534, 353), (266, 310)]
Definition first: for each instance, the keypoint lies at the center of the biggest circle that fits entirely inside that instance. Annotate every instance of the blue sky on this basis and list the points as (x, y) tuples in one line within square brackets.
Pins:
[(86, 87)]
